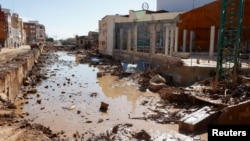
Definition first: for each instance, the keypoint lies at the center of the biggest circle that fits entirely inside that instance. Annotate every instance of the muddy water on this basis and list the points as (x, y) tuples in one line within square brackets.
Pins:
[(71, 97)]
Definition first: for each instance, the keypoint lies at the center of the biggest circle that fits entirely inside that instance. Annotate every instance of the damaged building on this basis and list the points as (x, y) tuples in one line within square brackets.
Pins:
[(87, 42), (162, 38), (166, 40)]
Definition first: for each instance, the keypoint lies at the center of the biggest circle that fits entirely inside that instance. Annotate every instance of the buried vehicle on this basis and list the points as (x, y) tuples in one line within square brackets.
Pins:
[(34, 45)]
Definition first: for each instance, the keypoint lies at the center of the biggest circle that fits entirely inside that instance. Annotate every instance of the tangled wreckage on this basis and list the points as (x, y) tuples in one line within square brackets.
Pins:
[(205, 102), (193, 108)]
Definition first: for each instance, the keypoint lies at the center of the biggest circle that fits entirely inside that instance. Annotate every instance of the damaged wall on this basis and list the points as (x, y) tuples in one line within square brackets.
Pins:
[(169, 66), (12, 74)]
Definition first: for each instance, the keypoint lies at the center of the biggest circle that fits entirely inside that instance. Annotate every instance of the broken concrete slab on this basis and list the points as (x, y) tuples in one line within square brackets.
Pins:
[(198, 120)]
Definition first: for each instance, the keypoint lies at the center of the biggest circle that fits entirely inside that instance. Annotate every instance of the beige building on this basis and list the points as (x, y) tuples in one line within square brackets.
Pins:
[(81, 41), (133, 31), (107, 32), (15, 24), (21, 32), (87, 42)]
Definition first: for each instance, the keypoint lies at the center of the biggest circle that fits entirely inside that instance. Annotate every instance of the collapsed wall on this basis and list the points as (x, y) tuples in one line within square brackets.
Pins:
[(12, 73), (172, 67)]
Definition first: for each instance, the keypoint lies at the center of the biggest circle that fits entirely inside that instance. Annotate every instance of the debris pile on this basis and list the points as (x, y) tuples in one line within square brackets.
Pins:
[(124, 132), (222, 94)]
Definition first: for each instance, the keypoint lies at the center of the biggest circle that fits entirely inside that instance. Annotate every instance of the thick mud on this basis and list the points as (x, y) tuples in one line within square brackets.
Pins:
[(65, 95)]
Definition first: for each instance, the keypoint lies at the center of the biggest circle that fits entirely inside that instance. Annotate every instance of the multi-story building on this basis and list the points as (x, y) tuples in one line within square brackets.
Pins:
[(35, 32), (30, 28), (9, 35), (180, 5), (40, 33), (81, 41), (87, 42), (107, 32), (167, 32), (133, 31), (2, 28), (93, 38), (16, 30), (22, 32)]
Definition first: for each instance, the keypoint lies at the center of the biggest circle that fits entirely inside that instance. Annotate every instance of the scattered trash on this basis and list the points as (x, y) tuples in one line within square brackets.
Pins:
[(39, 101), (129, 68), (104, 107), (100, 120), (72, 107), (100, 74), (157, 82), (94, 94)]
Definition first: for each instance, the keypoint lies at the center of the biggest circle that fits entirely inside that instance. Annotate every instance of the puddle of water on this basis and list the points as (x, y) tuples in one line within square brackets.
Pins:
[(71, 98), (76, 86)]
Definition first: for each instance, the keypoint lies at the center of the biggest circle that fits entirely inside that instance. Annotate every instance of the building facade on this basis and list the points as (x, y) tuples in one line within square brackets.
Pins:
[(88, 42), (165, 32), (16, 30), (2, 28), (40, 33), (138, 31), (35, 32), (201, 20), (9, 36), (81, 41), (107, 32)]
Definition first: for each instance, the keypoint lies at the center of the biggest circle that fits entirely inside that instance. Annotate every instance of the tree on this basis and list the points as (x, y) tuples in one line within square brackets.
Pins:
[(50, 39)]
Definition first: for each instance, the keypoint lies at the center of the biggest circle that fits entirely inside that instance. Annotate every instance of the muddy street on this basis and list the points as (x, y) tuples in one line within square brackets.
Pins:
[(65, 94), (79, 94)]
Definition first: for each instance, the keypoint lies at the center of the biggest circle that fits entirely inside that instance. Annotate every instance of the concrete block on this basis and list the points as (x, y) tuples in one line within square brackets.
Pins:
[(198, 120)]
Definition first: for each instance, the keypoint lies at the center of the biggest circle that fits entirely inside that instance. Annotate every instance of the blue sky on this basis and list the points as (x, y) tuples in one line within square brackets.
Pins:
[(67, 18)]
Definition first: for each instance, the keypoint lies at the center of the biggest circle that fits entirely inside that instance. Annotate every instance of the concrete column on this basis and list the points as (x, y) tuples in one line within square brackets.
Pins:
[(152, 35), (176, 39), (121, 38), (167, 40), (171, 40), (184, 40), (211, 48), (135, 38), (129, 41), (191, 41)]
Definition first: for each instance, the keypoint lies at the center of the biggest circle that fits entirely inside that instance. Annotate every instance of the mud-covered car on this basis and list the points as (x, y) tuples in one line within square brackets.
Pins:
[(34, 45)]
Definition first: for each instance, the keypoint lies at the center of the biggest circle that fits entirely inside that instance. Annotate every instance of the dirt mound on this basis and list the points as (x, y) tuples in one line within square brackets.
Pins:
[(14, 129)]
